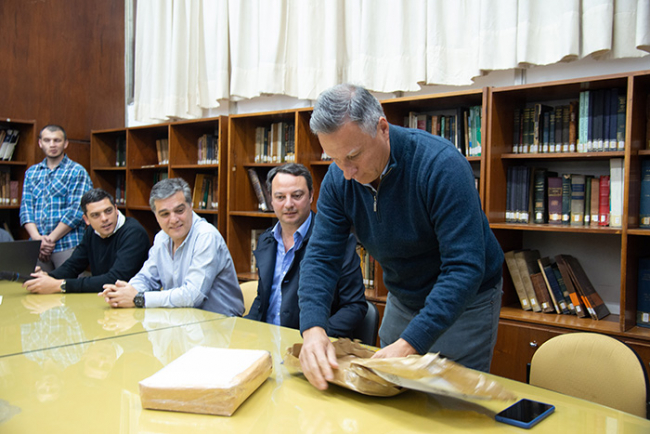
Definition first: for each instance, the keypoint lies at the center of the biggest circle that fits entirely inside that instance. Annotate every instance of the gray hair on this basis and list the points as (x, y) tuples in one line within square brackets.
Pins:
[(168, 187), (346, 103), (294, 169)]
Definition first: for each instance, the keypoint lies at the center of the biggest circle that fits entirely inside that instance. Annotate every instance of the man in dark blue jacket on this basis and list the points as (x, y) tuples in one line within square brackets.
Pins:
[(280, 250)]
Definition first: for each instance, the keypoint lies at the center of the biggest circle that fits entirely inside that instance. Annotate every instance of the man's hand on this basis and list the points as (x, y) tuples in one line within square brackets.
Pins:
[(399, 348), (42, 283), (47, 247), (119, 295), (317, 357)]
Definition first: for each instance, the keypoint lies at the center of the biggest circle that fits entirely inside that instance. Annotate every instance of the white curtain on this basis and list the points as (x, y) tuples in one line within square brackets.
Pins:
[(181, 58), (301, 47)]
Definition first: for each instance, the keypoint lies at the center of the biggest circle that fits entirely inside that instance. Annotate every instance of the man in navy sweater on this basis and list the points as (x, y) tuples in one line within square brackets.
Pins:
[(280, 251), (114, 246), (411, 200)]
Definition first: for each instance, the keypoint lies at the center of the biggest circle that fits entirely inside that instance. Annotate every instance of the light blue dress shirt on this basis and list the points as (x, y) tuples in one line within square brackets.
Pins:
[(199, 274), (283, 261)]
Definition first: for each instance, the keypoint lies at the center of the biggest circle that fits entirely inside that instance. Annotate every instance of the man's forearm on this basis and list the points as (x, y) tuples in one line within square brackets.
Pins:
[(59, 232), (32, 230)]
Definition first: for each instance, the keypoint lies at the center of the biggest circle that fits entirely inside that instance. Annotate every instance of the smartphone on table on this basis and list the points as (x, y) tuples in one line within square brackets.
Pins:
[(525, 413)]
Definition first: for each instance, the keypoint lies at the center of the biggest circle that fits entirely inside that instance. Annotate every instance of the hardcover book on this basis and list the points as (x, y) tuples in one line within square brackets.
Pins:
[(553, 287), (644, 197), (576, 300), (554, 200), (518, 283), (527, 263), (577, 200), (541, 291), (595, 304), (643, 294)]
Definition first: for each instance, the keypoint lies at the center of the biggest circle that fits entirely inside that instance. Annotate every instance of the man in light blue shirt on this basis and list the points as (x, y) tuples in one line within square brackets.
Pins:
[(189, 264)]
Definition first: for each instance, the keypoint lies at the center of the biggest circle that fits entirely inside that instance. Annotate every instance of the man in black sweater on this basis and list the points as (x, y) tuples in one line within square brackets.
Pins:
[(114, 246)]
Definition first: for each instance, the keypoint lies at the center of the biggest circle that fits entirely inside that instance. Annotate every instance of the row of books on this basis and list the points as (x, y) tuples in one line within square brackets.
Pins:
[(258, 182), (558, 286), (206, 192), (595, 123), (367, 267), (162, 150), (208, 149), (463, 128), (8, 188), (120, 152), (275, 144), (536, 195), (8, 141)]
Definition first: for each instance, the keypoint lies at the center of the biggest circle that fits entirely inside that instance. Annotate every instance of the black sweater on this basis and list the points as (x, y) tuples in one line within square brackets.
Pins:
[(119, 256)]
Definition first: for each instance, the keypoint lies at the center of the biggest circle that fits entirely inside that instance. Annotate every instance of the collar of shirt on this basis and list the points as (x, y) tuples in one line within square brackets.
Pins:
[(62, 164), (298, 236), (120, 222), (380, 176)]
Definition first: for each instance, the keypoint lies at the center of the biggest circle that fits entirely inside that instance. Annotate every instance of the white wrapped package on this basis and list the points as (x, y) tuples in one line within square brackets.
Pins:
[(207, 380)]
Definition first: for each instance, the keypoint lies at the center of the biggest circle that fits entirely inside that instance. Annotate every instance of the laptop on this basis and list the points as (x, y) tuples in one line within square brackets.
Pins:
[(18, 259)]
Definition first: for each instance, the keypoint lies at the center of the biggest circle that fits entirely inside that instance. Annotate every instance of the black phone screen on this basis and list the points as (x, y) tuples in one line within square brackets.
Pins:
[(525, 410)]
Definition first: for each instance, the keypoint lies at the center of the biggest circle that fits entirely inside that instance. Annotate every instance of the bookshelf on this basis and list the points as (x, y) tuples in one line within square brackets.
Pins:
[(598, 248), (243, 210), (23, 157), (137, 164)]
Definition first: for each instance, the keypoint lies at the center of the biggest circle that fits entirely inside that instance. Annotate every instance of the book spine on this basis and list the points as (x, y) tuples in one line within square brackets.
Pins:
[(554, 200), (566, 199), (577, 200), (643, 294), (603, 202), (644, 197)]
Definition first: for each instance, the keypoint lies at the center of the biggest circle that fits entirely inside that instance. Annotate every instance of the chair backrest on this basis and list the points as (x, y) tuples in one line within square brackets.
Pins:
[(594, 367), (249, 291), (367, 330)]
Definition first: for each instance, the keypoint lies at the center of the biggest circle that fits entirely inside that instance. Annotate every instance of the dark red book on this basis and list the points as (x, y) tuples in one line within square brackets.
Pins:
[(603, 203)]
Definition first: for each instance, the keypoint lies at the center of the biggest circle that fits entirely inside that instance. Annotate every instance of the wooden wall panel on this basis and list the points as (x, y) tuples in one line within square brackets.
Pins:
[(63, 63)]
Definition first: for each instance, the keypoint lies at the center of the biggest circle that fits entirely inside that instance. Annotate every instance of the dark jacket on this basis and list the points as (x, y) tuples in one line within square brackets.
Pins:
[(348, 306)]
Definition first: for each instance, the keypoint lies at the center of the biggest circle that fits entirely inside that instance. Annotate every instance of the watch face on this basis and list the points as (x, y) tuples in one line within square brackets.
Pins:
[(138, 300)]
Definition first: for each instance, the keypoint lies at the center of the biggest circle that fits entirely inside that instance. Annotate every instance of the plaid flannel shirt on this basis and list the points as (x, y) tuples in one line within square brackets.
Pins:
[(53, 196)]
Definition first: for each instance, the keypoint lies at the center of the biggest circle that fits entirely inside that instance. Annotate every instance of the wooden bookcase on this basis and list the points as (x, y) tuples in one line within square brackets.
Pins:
[(23, 157), (243, 212), (598, 248), (142, 167)]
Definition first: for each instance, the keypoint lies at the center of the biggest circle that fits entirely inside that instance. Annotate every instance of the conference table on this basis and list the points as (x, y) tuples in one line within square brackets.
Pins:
[(70, 363)]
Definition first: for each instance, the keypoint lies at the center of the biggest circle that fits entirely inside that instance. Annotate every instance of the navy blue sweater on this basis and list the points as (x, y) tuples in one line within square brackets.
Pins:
[(428, 232), (119, 256)]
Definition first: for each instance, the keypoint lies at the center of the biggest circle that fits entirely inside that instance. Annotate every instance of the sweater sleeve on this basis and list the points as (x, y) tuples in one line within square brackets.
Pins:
[(321, 267), (352, 305), (457, 219), (131, 247)]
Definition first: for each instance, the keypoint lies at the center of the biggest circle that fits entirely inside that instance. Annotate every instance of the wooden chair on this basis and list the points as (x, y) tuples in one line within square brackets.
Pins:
[(594, 367), (249, 291)]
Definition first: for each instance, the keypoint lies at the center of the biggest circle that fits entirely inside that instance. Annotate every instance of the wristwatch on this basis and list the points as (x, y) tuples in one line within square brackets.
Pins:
[(138, 300), (63, 286)]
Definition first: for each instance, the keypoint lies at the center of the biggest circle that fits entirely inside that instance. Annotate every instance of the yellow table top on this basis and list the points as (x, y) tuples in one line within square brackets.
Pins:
[(31, 322), (93, 387)]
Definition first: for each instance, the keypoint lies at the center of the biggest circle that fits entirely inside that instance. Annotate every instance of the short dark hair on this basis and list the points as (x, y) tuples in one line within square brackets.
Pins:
[(95, 195), (168, 187), (294, 169), (53, 128)]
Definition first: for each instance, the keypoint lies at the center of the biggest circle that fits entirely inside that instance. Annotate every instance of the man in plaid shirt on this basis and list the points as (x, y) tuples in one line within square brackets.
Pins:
[(50, 209)]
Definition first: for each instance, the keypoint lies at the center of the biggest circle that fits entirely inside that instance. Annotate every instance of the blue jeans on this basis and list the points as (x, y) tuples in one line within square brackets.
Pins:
[(469, 341)]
